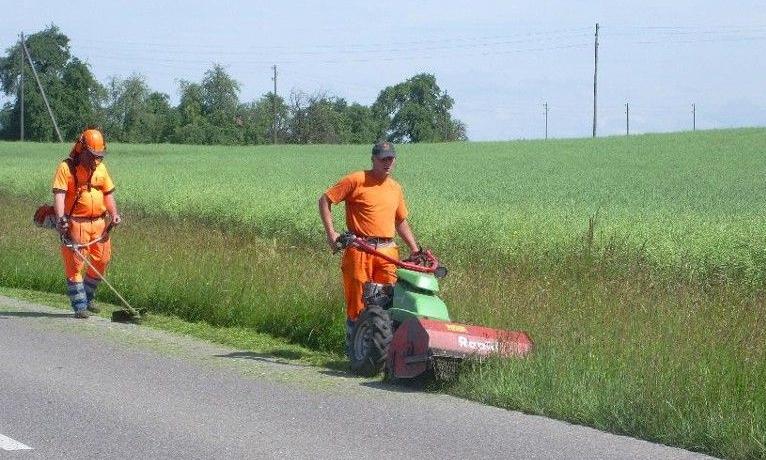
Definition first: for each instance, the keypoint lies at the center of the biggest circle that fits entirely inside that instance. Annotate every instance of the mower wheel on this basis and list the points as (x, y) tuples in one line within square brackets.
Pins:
[(370, 341)]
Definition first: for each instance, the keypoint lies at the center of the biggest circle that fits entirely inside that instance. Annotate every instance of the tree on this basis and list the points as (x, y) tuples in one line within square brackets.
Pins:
[(125, 106), (416, 110), (257, 120), (365, 127), (220, 101), (72, 91), (162, 118), (319, 120), (220, 95), (190, 105), (192, 126), (80, 96), (208, 111), (136, 114)]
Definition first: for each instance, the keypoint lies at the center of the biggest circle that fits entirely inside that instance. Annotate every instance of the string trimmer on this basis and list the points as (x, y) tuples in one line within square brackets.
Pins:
[(126, 315), (405, 329)]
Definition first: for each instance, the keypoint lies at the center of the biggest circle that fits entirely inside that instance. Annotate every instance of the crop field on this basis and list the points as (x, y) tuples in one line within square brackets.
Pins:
[(637, 264), (691, 204)]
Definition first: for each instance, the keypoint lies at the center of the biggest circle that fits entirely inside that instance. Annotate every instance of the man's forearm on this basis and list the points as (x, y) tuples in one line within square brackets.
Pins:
[(58, 204), (404, 230), (111, 204), (325, 214)]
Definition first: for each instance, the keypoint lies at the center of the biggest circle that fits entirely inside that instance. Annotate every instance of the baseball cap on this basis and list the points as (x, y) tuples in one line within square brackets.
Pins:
[(384, 150)]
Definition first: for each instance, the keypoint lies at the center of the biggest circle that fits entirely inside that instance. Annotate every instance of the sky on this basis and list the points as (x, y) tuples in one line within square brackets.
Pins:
[(500, 61)]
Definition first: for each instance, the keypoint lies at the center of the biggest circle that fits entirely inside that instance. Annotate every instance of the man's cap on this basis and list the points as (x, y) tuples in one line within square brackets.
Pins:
[(384, 150)]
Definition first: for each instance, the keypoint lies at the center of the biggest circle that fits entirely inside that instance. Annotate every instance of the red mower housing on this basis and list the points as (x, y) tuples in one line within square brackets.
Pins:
[(420, 345)]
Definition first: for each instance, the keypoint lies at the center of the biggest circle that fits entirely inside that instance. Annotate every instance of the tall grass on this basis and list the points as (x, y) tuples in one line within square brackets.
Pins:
[(636, 265), (691, 204)]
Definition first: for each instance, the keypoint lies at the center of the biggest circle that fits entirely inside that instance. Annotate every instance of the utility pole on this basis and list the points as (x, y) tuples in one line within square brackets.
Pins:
[(42, 91), (546, 120), (694, 117), (21, 88), (627, 119), (595, 79), (274, 123)]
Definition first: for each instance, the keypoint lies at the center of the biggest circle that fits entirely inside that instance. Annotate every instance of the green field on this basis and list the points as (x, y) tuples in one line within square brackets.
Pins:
[(637, 264)]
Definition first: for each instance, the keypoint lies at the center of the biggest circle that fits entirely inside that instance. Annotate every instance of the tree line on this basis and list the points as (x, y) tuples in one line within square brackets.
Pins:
[(209, 111)]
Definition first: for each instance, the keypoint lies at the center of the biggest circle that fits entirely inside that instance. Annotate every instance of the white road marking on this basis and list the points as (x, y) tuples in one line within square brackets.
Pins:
[(7, 443)]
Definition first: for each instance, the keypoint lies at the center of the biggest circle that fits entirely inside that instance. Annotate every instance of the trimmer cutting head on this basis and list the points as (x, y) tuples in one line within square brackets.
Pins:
[(126, 316)]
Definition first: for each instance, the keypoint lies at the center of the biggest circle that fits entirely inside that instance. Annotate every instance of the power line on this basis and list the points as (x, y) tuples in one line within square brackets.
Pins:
[(385, 45)]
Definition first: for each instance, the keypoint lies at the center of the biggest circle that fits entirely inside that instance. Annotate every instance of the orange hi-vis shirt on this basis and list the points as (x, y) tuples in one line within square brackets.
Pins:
[(91, 199), (373, 207)]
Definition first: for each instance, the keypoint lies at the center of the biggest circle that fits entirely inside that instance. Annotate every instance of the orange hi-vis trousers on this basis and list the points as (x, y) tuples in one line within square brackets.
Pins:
[(83, 231), (360, 267)]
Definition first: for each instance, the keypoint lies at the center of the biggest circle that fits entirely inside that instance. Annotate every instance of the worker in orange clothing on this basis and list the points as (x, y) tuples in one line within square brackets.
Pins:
[(376, 212), (83, 194)]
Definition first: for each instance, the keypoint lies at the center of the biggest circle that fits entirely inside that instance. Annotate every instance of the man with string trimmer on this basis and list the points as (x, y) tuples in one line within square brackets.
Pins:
[(83, 201)]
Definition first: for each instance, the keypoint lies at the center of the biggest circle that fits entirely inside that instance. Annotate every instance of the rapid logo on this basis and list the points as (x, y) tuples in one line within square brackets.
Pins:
[(478, 345)]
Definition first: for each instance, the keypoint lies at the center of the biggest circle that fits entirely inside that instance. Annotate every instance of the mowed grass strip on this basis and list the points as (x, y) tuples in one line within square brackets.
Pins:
[(258, 344)]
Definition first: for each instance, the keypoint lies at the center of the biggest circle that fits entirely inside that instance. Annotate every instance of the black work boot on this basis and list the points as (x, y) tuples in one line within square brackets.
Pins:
[(81, 314), (93, 308)]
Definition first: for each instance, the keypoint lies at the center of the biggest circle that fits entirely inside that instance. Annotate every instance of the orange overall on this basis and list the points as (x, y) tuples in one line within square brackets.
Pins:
[(373, 208), (87, 218)]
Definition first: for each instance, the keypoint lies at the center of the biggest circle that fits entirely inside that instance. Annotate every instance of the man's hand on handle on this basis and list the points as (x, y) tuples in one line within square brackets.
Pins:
[(332, 240), (62, 225)]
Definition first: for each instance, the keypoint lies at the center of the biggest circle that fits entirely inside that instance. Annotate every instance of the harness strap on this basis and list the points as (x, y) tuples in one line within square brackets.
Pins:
[(72, 170)]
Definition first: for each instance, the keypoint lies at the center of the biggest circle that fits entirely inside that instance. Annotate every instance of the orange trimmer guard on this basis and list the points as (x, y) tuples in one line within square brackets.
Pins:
[(418, 343)]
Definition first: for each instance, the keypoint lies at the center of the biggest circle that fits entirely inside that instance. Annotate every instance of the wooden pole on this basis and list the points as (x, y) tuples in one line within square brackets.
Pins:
[(42, 91), (595, 79)]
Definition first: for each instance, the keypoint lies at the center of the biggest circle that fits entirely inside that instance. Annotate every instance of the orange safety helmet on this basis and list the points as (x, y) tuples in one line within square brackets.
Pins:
[(91, 140)]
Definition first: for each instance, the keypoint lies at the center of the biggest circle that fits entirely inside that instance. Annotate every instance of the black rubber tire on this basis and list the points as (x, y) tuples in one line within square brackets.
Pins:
[(370, 341)]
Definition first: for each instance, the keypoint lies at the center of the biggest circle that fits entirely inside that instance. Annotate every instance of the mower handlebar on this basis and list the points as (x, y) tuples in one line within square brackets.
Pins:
[(422, 261)]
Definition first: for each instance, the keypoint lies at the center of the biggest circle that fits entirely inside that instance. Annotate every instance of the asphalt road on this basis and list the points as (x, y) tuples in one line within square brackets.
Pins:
[(95, 389)]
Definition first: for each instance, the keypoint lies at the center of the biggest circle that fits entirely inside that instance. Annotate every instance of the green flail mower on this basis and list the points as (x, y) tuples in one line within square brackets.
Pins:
[(405, 329)]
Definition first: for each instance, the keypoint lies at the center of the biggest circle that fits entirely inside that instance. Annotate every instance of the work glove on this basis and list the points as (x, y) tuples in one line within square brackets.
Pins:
[(344, 240), (116, 219), (62, 225)]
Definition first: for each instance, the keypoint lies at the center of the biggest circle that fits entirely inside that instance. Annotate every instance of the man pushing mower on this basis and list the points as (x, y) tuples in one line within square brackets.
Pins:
[(375, 212), (395, 321), (83, 199)]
